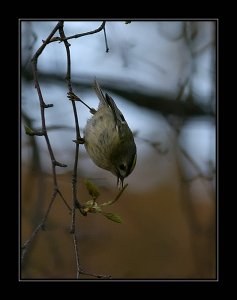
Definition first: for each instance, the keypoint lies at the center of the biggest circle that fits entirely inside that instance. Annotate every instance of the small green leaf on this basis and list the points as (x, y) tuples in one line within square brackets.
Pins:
[(92, 189), (28, 130), (112, 217)]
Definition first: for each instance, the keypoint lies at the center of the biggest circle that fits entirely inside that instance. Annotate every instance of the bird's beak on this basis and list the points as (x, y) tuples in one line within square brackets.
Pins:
[(120, 182)]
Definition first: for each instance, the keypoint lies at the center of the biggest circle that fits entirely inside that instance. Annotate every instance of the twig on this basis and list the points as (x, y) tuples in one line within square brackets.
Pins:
[(75, 201), (43, 105), (117, 197), (99, 276), (76, 36), (64, 200), (77, 254), (106, 43)]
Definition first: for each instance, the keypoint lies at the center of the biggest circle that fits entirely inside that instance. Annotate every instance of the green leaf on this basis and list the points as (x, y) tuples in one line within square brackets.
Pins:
[(92, 189), (28, 130), (112, 217)]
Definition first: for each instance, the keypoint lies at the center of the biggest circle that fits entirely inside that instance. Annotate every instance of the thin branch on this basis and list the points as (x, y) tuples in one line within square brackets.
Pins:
[(75, 201), (117, 197), (43, 130), (99, 276), (64, 200), (76, 36), (106, 42), (77, 254), (43, 105), (183, 85)]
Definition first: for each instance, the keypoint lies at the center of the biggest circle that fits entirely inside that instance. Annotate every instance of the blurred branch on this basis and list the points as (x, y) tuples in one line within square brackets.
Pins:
[(160, 103), (199, 173), (202, 235), (185, 183), (156, 145), (28, 50), (27, 244), (35, 167), (189, 205)]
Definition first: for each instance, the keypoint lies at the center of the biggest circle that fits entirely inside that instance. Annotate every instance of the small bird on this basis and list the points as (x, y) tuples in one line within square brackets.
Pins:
[(108, 138)]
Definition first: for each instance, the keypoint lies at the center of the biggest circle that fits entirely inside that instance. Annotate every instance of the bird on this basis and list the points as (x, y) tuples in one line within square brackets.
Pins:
[(109, 141)]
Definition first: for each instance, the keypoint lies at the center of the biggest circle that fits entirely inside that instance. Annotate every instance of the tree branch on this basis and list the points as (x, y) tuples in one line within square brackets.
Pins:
[(43, 130), (76, 203), (76, 36)]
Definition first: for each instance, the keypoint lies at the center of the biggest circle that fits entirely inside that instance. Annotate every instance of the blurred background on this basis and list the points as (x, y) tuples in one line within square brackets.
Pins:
[(162, 75)]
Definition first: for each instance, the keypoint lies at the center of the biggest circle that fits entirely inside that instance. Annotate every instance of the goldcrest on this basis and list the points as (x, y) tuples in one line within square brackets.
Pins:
[(108, 139)]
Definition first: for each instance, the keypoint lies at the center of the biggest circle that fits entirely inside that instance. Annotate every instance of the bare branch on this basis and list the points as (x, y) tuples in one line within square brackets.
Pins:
[(73, 98), (75, 202), (95, 275), (78, 136), (76, 36), (106, 43), (64, 200), (77, 254), (43, 132)]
